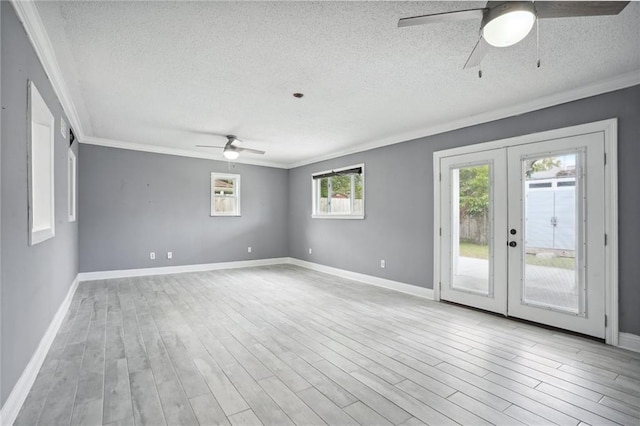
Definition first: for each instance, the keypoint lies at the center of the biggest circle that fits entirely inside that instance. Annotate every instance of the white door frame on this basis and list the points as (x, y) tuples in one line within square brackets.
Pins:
[(610, 130)]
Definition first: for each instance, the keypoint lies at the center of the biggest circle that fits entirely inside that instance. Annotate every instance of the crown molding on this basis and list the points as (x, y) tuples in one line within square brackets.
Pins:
[(28, 14), (156, 149), (603, 86)]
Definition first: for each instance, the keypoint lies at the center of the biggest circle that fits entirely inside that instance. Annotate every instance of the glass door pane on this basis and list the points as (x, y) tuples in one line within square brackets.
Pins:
[(552, 224), (473, 208), (471, 195)]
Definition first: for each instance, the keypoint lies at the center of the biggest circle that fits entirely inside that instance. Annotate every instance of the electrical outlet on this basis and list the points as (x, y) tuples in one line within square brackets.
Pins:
[(248, 249), (383, 264), (152, 255), (169, 255), (310, 251)]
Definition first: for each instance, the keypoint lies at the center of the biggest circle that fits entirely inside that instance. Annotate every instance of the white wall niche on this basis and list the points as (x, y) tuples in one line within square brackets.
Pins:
[(40, 161)]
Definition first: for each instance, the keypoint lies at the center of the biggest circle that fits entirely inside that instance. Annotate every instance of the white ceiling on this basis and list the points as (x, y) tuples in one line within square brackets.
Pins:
[(160, 75)]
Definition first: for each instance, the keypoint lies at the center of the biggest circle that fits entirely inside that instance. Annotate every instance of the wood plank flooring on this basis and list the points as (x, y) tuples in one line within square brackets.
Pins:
[(282, 345)]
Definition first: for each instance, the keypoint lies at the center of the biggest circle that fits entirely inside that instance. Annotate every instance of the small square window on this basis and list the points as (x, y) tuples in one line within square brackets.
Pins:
[(225, 194), (339, 194)]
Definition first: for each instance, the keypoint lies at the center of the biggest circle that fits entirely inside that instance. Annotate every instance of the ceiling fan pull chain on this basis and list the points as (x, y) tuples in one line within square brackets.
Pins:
[(538, 40), (480, 63)]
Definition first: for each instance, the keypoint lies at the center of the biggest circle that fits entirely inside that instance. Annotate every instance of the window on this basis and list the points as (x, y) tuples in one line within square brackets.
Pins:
[(540, 185), (339, 194), (71, 183), (41, 161), (225, 195)]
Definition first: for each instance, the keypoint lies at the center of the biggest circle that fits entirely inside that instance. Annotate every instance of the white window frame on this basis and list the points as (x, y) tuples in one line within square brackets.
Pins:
[(41, 184), (315, 183), (236, 192), (72, 185)]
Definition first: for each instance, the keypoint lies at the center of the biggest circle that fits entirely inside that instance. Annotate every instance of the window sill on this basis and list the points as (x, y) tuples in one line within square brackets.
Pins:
[(41, 235), (337, 216)]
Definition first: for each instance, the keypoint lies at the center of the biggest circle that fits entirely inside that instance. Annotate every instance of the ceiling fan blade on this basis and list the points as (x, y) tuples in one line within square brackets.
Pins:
[(459, 15), (210, 146), (567, 9), (204, 132), (253, 151), (481, 49)]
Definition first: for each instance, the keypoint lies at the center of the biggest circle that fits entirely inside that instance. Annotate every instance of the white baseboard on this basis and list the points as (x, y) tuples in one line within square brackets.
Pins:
[(629, 341), (125, 273), (426, 293), (414, 290), (22, 388)]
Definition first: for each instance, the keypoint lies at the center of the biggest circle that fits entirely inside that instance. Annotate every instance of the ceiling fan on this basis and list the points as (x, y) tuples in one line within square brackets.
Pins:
[(231, 150), (505, 23)]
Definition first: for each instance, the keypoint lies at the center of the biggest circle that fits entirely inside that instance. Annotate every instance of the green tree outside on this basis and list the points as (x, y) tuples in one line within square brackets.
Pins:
[(474, 191), (341, 185)]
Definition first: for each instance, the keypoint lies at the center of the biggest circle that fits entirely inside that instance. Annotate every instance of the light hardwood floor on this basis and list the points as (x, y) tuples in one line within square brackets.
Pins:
[(284, 345)]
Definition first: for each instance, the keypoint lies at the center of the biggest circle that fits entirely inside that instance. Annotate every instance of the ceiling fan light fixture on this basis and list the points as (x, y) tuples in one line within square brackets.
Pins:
[(230, 154), (508, 24)]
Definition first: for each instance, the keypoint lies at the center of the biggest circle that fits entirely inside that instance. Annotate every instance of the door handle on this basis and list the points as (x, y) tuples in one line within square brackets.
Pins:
[(512, 244)]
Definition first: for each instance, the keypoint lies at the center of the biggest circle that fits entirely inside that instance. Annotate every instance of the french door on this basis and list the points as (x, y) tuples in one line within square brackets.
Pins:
[(522, 231)]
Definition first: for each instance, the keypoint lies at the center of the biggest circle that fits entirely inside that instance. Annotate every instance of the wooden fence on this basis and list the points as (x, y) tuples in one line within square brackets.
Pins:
[(341, 205)]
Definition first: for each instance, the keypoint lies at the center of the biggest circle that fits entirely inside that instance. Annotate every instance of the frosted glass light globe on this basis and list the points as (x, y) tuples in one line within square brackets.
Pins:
[(509, 28), (231, 154)]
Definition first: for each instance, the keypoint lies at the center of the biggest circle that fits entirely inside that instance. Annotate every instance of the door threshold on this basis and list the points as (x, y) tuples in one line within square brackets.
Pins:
[(524, 321)]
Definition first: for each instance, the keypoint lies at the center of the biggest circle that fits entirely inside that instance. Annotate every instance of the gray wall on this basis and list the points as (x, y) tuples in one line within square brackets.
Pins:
[(404, 238), (35, 279), (132, 203)]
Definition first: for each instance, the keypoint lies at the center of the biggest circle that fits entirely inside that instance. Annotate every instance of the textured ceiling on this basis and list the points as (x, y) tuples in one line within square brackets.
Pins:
[(166, 73)]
